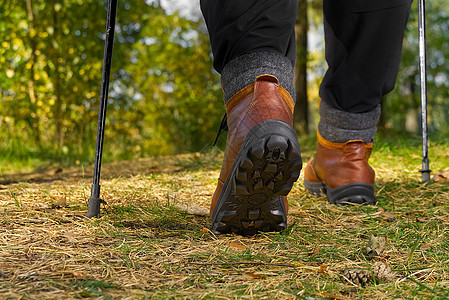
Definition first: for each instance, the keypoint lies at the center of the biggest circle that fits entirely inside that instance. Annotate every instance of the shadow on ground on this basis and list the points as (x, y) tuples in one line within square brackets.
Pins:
[(144, 166)]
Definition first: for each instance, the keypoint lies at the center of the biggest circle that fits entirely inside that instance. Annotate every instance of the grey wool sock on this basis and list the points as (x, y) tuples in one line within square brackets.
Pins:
[(243, 70), (338, 126)]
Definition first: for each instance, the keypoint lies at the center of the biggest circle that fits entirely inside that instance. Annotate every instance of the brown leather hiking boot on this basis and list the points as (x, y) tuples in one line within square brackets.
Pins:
[(341, 171), (261, 162)]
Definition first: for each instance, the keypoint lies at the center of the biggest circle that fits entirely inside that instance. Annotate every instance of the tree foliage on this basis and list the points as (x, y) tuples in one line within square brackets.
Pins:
[(402, 107), (163, 96)]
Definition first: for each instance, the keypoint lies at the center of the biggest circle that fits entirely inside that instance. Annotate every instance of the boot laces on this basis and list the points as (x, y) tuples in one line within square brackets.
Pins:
[(223, 127)]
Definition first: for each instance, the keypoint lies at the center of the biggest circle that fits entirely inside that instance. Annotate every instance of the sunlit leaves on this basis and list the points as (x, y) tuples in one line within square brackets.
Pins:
[(163, 95)]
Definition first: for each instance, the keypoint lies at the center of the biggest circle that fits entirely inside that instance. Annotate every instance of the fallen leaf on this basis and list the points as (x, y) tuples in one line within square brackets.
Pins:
[(322, 269), (442, 176), (389, 217), (193, 209), (375, 246), (422, 219), (62, 202), (77, 274), (237, 245)]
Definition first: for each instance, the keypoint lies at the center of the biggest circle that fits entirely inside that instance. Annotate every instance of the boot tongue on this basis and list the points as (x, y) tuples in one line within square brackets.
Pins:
[(237, 98), (267, 77)]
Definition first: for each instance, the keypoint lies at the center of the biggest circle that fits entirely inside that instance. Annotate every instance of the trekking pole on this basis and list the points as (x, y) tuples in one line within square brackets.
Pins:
[(425, 172), (93, 207)]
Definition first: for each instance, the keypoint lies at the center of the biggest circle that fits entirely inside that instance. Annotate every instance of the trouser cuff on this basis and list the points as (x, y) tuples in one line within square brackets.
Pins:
[(243, 70), (339, 126)]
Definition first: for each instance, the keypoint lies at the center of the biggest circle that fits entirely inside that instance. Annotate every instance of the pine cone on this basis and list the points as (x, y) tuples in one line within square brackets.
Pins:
[(382, 272), (358, 277)]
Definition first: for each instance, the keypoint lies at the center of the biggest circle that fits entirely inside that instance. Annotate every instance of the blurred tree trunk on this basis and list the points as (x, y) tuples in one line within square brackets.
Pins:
[(57, 80), (301, 116), (413, 116), (33, 119)]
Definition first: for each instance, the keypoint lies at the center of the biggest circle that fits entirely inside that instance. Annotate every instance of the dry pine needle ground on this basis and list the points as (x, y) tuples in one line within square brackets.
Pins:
[(152, 240)]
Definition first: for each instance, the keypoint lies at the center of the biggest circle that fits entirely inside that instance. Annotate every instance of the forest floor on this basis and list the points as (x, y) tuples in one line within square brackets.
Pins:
[(153, 238)]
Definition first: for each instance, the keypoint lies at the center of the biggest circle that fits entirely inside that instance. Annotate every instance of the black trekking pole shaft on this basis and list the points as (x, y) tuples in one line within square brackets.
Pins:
[(93, 208), (425, 172)]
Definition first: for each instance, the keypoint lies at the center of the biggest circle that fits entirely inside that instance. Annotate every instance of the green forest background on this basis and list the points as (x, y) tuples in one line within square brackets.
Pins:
[(165, 97)]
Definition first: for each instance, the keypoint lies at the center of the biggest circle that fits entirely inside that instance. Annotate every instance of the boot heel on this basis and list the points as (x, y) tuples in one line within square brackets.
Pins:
[(354, 193), (264, 171)]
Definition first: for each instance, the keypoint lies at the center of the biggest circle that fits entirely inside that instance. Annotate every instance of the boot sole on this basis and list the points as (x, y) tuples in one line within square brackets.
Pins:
[(354, 193), (263, 172)]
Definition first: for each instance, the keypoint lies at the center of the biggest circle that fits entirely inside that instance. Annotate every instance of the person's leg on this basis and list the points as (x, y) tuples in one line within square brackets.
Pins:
[(254, 51), (363, 51), (241, 27), (249, 38)]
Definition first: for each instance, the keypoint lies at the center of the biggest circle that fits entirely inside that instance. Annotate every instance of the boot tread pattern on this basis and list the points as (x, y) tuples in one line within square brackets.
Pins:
[(265, 173)]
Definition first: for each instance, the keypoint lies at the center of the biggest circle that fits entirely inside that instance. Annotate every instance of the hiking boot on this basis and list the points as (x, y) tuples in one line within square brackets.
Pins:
[(262, 160), (341, 171)]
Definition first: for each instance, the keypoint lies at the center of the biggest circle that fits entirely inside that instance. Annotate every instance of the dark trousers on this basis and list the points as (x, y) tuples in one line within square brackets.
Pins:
[(363, 42)]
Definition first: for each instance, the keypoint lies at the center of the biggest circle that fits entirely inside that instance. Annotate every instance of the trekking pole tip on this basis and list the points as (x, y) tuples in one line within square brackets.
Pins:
[(425, 171), (93, 207), (425, 175)]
